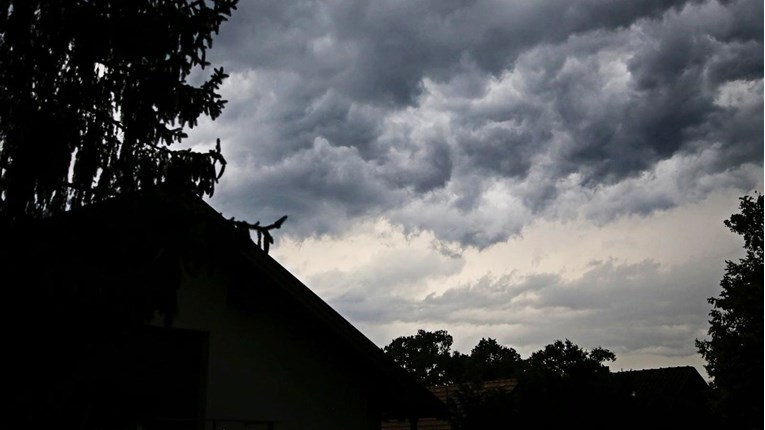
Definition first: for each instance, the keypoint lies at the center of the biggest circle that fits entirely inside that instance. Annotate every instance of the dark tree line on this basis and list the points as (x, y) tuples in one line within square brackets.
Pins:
[(429, 358), (561, 377)]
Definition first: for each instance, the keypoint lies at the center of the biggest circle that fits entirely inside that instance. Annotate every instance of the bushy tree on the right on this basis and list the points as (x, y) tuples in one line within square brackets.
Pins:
[(734, 350)]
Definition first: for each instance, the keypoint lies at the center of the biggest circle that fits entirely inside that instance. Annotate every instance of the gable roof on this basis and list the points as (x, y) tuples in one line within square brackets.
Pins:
[(452, 395), (662, 382), (445, 393), (147, 234)]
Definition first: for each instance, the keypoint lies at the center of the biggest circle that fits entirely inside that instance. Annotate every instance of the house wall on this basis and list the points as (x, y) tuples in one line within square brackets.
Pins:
[(266, 365)]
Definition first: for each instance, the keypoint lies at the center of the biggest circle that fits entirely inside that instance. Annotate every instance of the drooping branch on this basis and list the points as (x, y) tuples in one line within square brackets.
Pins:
[(265, 239)]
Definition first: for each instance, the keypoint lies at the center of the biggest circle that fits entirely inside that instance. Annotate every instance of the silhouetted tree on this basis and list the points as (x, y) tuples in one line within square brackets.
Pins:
[(489, 361), (562, 383), (94, 98), (555, 385), (567, 360), (473, 405), (93, 95), (734, 350), (426, 355)]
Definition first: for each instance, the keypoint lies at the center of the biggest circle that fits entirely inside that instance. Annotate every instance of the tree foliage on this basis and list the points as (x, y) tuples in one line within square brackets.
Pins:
[(565, 359), (734, 349), (426, 355), (489, 360), (562, 378), (564, 383), (429, 358), (93, 95)]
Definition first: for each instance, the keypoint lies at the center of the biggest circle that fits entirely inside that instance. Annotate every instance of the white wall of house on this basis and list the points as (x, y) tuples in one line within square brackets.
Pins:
[(262, 367)]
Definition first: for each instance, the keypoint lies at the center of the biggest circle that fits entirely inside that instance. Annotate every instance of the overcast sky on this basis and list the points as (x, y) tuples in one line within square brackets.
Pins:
[(527, 170)]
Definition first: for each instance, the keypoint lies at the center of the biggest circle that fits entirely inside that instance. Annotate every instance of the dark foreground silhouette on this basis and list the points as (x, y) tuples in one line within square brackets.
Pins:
[(234, 340)]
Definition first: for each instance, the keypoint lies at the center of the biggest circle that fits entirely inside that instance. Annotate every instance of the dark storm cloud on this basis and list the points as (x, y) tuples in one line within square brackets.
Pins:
[(379, 51), (333, 182), (501, 151), (426, 111), (422, 169)]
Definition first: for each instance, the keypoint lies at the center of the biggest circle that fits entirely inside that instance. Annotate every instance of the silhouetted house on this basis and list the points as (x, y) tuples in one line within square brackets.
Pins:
[(235, 340), (458, 398), (669, 397)]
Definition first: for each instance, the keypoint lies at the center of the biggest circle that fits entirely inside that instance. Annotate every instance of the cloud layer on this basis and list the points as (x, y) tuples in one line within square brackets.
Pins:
[(471, 118), (461, 130), (637, 286)]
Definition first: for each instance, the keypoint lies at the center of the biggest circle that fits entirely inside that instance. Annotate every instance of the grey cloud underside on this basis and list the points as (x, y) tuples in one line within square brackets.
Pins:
[(422, 111), (382, 50)]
